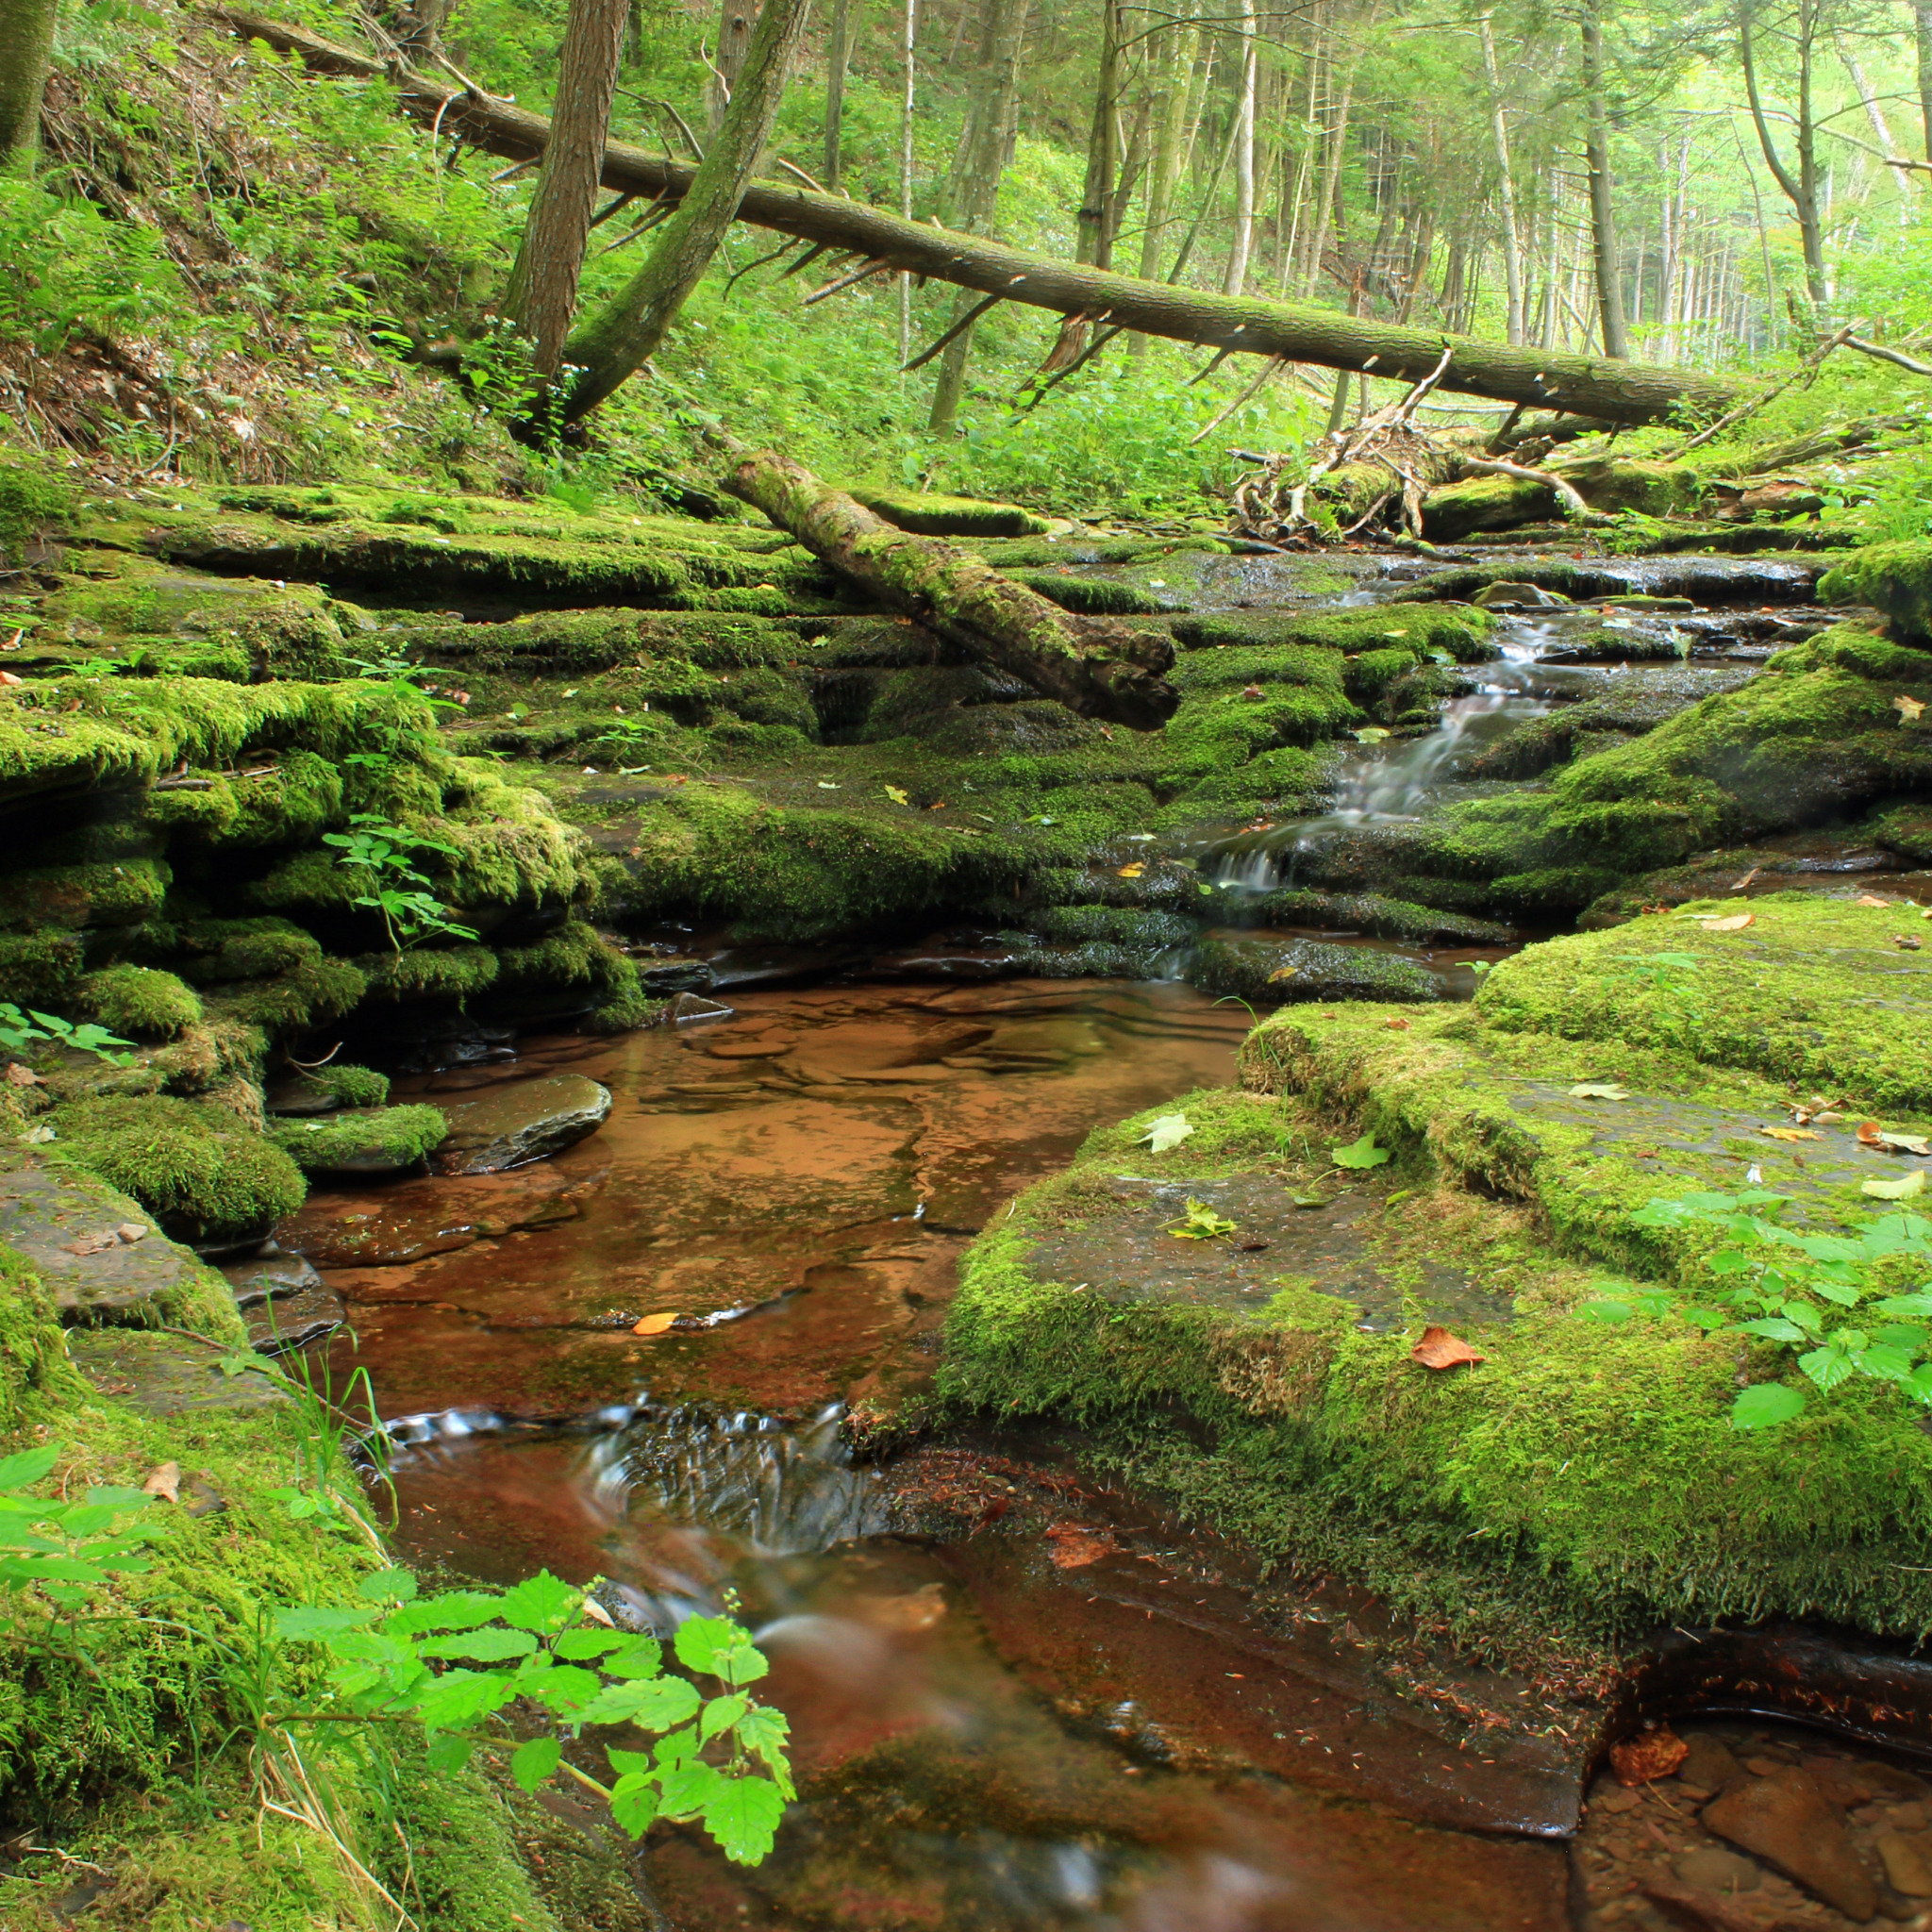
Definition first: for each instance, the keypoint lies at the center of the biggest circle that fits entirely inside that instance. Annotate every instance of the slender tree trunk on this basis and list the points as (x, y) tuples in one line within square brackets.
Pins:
[(734, 41), (847, 17), (1331, 188), (906, 106), (419, 26), (1799, 189), (1506, 189), (975, 183), (1241, 243), (1096, 197), (612, 346), (1875, 113), (27, 49), (542, 291), (1171, 59), (1921, 22), (1602, 212)]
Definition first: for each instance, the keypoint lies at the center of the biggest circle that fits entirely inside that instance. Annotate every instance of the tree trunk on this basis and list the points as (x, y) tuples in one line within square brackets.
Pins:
[(1242, 240), (976, 172), (1922, 20), (1505, 185), (1094, 666), (906, 106), (543, 293), (734, 45), (1799, 189), (1096, 197), (1172, 62), (846, 15), (1634, 393), (1602, 211), (27, 42), (1331, 185), (419, 26), (612, 345)]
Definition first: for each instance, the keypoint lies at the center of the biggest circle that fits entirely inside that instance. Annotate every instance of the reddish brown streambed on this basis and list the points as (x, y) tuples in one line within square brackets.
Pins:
[(1019, 1700)]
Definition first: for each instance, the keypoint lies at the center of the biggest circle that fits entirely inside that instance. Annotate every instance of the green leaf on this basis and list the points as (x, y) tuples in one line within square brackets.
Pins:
[(765, 1732), (687, 1788), (448, 1751), (460, 1697), (1765, 1405), (311, 1623), (1608, 1310), (542, 1603), (743, 1814), (634, 1803), (1167, 1132), (641, 1657), (490, 1646), (580, 1646), (1917, 1303), (655, 1703), (1774, 1329), (1827, 1367), (30, 1466), (534, 1761), (701, 1642), (720, 1714), (457, 1610), (1885, 1364), (1902, 1190), (1363, 1153), (389, 1585), (1202, 1223)]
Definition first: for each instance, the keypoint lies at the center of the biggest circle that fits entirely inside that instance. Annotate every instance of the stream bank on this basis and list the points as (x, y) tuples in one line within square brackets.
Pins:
[(675, 770)]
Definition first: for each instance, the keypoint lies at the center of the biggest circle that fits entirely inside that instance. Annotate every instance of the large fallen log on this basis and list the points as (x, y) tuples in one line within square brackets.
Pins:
[(1582, 385), (1095, 666)]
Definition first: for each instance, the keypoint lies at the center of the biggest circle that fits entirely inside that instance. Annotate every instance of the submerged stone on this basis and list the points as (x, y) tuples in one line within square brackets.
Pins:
[(521, 1121)]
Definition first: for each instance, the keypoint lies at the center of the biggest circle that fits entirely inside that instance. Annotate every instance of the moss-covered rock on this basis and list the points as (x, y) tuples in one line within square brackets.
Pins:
[(953, 516), (1894, 578), (72, 897), (377, 1140), (189, 1164), (1265, 971), (139, 1000)]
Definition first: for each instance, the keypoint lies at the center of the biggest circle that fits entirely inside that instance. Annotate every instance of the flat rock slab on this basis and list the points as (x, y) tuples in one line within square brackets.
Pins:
[(285, 1304), (164, 1374), (397, 1226), (269, 1277), (75, 1230), (519, 1122), (1129, 1251), (1788, 1820)]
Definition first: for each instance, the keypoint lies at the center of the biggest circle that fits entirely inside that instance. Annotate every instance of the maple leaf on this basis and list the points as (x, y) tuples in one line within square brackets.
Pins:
[(1908, 710)]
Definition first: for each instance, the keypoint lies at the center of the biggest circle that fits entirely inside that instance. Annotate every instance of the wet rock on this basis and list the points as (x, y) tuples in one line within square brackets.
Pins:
[(1270, 971), (1517, 596), (427, 1217), (164, 1374), (1712, 1869), (675, 976), (1907, 1868), (1841, 1780), (265, 1278), (1698, 1910), (1709, 1763), (689, 1005), (1787, 1822), (100, 1254), (520, 1121)]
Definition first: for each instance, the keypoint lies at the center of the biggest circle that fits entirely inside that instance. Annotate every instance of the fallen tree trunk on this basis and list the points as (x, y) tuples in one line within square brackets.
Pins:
[(1582, 385), (1091, 665)]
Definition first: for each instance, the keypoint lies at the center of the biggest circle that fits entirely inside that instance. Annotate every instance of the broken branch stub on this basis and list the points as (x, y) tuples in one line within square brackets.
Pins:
[(1095, 666)]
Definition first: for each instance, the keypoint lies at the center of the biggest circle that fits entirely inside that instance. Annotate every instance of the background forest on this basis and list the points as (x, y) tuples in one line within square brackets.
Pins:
[(1711, 186)]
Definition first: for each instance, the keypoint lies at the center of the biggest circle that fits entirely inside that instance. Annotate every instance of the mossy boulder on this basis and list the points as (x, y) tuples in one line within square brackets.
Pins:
[(1266, 971), (193, 1166), (1894, 578), (952, 516), (375, 1140), (138, 1000)]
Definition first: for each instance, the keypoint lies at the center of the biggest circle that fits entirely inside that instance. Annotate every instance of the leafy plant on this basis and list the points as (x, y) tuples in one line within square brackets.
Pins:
[(456, 1663), (18, 1029), (1834, 1297), (1363, 1153), (1671, 980), (384, 853), (1202, 1223), (60, 1548)]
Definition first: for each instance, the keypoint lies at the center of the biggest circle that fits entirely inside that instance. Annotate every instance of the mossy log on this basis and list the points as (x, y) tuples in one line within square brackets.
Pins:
[(1093, 667), (1594, 386)]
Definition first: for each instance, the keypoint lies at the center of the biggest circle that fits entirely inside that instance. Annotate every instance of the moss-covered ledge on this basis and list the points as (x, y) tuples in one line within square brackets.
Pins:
[(1584, 1482)]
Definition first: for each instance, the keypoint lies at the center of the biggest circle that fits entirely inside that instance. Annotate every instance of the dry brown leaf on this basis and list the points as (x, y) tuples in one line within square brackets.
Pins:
[(1736, 921), (1905, 942), (1870, 899), (653, 1325), (131, 1231), (1908, 708), (1439, 1349), (1755, 872), (1790, 1133), (1132, 871), (595, 1612), (18, 1076), (1282, 972), (1398, 1025), (1647, 1757), (164, 1480), (1071, 1547)]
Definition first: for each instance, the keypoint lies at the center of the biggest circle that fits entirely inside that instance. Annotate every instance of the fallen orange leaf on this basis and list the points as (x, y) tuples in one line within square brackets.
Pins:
[(1869, 1135), (1132, 871), (1072, 1547), (1908, 708), (1439, 1349), (1870, 899), (1789, 1134), (1648, 1755), (1399, 1026), (653, 1324)]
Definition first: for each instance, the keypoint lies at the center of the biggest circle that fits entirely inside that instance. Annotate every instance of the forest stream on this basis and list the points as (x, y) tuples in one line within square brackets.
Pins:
[(1023, 1693)]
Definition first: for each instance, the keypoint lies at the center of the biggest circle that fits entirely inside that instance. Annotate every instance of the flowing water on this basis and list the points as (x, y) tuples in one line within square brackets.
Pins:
[(1019, 1698)]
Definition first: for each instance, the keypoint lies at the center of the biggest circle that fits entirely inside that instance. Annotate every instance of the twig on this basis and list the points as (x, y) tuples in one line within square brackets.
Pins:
[(1886, 355), (784, 248), (864, 272), (614, 207), (1220, 357), (801, 174), (643, 227), (957, 329), (1567, 493), (1269, 369), (1733, 417), (804, 260), (665, 108)]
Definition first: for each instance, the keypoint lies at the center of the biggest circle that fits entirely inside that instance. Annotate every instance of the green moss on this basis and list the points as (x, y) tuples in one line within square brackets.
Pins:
[(34, 1368), (138, 1000), (1896, 579), (1378, 917), (953, 516), (1267, 970), (314, 988), (353, 1086), (1461, 630), (35, 502), (214, 952), (1090, 596), (374, 1140), (444, 972), (39, 969), (71, 896), (190, 1165)]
